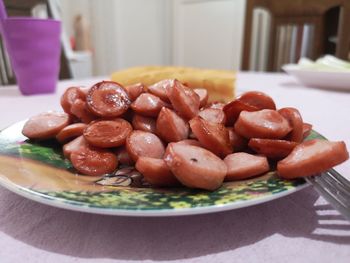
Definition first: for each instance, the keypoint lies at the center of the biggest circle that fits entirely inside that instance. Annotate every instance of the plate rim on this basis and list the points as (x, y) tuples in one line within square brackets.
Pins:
[(60, 203)]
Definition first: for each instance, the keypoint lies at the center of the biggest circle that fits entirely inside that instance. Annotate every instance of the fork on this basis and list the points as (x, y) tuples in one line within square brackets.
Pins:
[(334, 188)]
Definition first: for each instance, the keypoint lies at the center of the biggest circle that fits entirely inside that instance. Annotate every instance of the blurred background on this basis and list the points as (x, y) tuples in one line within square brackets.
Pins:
[(100, 37)]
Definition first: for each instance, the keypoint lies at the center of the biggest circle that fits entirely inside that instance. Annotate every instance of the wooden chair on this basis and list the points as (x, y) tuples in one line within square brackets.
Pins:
[(299, 13)]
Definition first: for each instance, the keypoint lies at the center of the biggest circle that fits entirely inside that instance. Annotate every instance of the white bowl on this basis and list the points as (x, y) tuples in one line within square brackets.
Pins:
[(325, 79)]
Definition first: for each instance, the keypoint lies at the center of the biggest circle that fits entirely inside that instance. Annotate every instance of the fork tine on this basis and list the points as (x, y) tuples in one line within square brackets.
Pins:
[(335, 183), (325, 193), (333, 188), (339, 178), (329, 196)]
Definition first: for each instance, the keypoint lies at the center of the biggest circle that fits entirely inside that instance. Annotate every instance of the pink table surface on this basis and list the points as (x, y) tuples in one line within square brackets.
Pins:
[(301, 227)]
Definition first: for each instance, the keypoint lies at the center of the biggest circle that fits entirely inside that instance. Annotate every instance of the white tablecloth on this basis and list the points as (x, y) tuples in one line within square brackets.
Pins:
[(301, 227)]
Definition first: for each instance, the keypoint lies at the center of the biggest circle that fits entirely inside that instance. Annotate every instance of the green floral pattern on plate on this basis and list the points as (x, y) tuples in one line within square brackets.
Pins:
[(156, 199)]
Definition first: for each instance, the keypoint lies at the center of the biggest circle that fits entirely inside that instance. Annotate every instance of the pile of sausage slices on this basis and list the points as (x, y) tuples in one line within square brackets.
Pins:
[(174, 136)]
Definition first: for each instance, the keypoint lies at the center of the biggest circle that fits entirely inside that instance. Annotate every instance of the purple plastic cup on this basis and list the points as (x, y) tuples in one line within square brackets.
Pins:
[(34, 49)]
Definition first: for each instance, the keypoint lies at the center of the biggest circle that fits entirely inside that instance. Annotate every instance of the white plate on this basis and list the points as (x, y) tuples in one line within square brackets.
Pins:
[(336, 80), (39, 171)]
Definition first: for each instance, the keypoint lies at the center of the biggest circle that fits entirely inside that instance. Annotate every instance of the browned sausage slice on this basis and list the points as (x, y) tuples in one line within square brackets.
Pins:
[(148, 105), (107, 133), (213, 136), (295, 120), (142, 123), (203, 96), (243, 165), (123, 156), (307, 128), (213, 115), (107, 99), (160, 89), (267, 124), (140, 143), (184, 100), (156, 172), (69, 96), (234, 108), (171, 127), (70, 132), (135, 90), (237, 142), (45, 125), (196, 167), (275, 149), (258, 99), (80, 111), (74, 146), (93, 161), (312, 157)]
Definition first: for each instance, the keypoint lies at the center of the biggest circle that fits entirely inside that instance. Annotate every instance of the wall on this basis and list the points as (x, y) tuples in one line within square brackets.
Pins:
[(127, 33), (140, 32), (70, 9), (208, 33)]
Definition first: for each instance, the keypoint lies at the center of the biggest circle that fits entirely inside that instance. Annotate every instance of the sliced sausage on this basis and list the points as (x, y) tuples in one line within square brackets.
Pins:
[(213, 136), (233, 109), (85, 91), (215, 105), (213, 115), (148, 105), (70, 132), (123, 156), (142, 123), (237, 142), (243, 165), (196, 167), (156, 172), (295, 120), (69, 96), (258, 99), (140, 143), (107, 99), (135, 90), (307, 128), (93, 161), (128, 115), (107, 133), (184, 100), (192, 135), (267, 124), (74, 146), (45, 125), (274, 149), (80, 111), (312, 157), (160, 89), (171, 127), (203, 96), (190, 142), (183, 142)]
